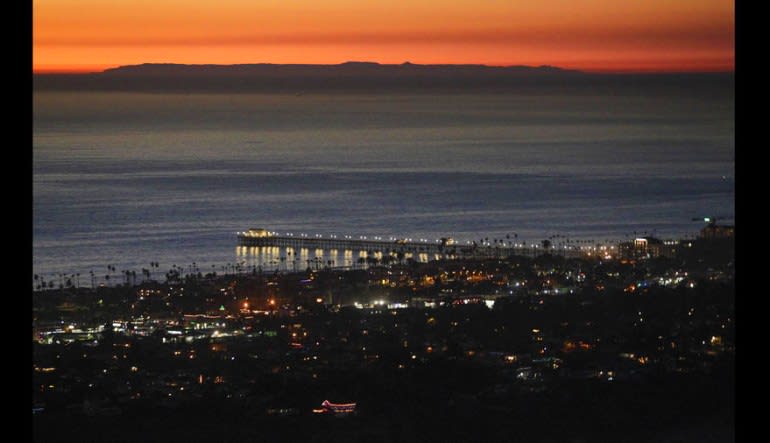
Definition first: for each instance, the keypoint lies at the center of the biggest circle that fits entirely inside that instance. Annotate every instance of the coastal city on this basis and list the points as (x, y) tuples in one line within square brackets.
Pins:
[(386, 222), (491, 332)]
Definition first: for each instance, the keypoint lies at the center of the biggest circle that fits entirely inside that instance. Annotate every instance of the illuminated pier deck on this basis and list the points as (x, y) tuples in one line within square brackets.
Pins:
[(263, 238), (291, 249)]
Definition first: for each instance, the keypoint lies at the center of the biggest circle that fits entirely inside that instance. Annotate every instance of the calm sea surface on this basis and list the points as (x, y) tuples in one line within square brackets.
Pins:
[(124, 179)]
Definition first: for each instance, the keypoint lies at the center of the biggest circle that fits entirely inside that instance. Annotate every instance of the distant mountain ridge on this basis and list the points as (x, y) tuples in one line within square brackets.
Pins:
[(358, 76), (352, 67)]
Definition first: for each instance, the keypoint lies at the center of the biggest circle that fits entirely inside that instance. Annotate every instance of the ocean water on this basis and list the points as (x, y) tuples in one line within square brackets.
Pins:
[(124, 179)]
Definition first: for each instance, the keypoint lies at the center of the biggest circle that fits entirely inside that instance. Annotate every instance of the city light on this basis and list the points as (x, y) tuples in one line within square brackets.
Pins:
[(431, 311)]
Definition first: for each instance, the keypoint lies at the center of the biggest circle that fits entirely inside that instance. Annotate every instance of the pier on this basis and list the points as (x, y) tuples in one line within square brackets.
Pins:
[(264, 238), (282, 248)]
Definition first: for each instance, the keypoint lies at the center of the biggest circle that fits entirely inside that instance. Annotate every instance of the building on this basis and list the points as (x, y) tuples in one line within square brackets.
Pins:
[(669, 248), (258, 232), (649, 247), (713, 231)]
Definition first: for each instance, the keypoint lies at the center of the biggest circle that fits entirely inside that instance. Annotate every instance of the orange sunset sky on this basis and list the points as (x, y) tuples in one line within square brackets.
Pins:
[(592, 35)]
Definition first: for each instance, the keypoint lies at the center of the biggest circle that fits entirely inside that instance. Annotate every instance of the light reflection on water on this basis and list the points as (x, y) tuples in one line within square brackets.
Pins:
[(253, 258)]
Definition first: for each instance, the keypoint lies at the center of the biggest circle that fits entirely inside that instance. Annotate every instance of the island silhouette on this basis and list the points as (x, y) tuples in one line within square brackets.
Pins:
[(355, 75)]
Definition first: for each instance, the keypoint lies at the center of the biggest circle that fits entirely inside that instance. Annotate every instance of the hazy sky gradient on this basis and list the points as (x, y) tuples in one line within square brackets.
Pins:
[(594, 35)]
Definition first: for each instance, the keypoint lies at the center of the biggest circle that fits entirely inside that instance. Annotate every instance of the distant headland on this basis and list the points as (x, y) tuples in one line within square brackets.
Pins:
[(351, 67), (353, 75)]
